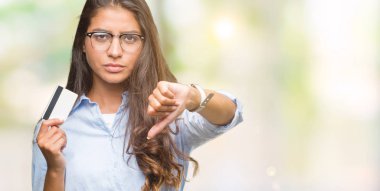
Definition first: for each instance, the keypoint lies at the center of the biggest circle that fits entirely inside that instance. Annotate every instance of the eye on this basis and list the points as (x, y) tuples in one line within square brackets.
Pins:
[(129, 38), (101, 37)]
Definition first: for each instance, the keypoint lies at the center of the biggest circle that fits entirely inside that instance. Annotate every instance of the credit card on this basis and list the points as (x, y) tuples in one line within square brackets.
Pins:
[(60, 104)]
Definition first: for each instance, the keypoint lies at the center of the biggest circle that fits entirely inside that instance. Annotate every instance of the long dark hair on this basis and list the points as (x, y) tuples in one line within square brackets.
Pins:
[(157, 157)]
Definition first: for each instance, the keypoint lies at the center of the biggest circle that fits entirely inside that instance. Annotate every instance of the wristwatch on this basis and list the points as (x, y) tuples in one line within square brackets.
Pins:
[(204, 99)]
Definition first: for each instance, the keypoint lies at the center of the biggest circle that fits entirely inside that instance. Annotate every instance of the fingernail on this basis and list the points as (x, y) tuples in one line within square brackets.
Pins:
[(148, 138)]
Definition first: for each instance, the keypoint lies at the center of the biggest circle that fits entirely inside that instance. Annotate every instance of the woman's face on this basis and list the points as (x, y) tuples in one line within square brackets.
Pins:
[(112, 64)]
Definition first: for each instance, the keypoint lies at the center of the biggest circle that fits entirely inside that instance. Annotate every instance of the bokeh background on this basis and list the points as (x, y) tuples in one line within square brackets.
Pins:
[(307, 72)]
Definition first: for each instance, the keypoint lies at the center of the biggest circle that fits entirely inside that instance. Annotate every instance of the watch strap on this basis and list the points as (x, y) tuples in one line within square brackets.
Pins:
[(204, 99)]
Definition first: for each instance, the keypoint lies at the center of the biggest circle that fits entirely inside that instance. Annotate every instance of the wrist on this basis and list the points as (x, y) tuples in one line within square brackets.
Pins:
[(195, 99), (202, 98), (55, 171), (57, 168)]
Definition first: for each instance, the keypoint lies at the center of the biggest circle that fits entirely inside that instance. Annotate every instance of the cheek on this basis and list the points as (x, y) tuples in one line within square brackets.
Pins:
[(86, 45), (134, 61), (134, 58), (91, 57)]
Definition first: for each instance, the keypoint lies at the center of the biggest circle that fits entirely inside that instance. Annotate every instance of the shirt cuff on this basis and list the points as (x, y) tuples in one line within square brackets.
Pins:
[(238, 117), (196, 120)]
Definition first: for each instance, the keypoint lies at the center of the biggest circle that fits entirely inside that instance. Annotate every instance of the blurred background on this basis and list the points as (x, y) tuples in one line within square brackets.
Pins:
[(307, 72)]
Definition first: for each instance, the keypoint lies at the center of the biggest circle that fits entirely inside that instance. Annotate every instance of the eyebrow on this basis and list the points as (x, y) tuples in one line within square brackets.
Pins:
[(124, 32)]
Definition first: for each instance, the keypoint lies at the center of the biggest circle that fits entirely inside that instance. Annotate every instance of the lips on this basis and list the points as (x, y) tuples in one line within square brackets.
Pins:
[(113, 68)]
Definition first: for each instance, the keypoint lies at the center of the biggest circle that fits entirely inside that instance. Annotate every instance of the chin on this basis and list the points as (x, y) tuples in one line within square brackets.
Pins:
[(115, 79)]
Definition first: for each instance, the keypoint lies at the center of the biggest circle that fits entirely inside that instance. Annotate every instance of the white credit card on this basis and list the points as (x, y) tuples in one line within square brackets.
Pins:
[(60, 104)]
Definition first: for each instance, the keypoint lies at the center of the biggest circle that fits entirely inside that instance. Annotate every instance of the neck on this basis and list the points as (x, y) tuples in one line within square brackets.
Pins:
[(107, 96)]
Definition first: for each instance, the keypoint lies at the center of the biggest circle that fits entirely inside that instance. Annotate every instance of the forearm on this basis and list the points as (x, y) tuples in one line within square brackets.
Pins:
[(54, 180), (219, 110)]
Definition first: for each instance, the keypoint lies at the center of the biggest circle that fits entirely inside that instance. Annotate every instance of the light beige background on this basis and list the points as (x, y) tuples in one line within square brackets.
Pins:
[(307, 72)]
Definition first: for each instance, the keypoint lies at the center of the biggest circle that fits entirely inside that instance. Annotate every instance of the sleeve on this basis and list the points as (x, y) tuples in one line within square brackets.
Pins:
[(39, 166), (195, 130)]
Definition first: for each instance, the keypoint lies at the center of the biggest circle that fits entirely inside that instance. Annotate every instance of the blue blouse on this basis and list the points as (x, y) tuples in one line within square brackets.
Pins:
[(95, 157)]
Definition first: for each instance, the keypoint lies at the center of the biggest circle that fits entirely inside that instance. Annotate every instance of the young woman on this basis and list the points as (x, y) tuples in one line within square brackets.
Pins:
[(133, 126)]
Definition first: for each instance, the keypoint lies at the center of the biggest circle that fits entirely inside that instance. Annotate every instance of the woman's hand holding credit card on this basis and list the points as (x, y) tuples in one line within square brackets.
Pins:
[(51, 139)]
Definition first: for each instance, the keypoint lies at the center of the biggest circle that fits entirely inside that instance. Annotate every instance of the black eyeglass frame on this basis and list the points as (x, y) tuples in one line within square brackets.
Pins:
[(90, 34)]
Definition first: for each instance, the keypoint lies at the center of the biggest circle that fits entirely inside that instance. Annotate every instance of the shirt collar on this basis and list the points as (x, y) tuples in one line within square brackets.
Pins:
[(84, 98)]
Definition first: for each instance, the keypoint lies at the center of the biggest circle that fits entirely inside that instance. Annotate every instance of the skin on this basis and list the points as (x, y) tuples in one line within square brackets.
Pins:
[(107, 86), (168, 100), (51, 142)]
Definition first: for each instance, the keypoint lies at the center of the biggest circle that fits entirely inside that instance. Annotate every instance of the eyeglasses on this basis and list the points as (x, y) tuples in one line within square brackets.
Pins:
[(129, 42)]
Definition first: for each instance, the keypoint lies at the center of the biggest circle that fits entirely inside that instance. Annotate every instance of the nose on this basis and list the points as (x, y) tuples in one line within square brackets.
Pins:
[(115, 49)]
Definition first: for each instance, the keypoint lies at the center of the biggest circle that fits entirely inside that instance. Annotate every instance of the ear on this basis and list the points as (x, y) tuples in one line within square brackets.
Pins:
[(84, 49)]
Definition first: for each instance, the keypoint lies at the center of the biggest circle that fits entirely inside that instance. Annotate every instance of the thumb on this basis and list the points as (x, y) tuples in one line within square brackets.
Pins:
[(158, 127)]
